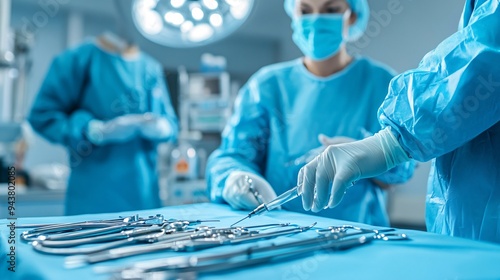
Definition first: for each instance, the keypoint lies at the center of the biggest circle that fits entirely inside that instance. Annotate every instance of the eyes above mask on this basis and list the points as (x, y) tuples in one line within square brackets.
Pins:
[(319, 36)]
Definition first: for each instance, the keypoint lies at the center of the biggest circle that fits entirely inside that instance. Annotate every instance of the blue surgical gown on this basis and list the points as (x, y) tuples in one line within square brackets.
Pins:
[(449, 109), (278, 116), (88, 83)]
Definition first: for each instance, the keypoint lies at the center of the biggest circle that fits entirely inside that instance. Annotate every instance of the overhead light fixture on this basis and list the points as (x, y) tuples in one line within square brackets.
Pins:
[(177, 3), (196, 12), (211, 4), (189, 23), (174, 18), (216, 20)]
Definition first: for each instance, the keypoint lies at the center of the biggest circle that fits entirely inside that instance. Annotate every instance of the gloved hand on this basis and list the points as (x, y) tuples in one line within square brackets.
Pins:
[(118, 130), (328, 141), (237, 193), (325, 180), (155, 128)]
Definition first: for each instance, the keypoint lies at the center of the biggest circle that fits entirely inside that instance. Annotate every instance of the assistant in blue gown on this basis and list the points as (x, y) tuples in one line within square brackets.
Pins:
[(283, 108), (449, 109), (88, 83)]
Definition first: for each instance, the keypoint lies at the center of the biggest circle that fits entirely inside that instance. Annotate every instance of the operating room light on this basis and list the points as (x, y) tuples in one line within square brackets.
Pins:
[(177, 3), (148, 4), (216, 20), (189, 23), (197, 13), (174, 18), (186, 26), (151, 22), (211, 4), (200, 32)]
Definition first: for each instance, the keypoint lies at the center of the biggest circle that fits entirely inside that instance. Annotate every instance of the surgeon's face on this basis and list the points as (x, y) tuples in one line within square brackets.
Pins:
[(306, 7)]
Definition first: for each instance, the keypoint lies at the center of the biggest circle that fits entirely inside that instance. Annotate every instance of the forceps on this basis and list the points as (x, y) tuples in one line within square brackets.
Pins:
[(240, 258), (342, 232), (71, 231), (152, 234), (155, 234), (253, 190), (192, 243), (100, 226)]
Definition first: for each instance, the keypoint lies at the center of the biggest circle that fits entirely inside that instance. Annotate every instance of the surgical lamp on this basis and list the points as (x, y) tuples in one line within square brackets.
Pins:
[(189, 23)]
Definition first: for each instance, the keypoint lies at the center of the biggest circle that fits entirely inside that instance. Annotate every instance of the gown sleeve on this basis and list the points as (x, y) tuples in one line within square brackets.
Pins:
[(244, 141), (453, 96), (55, 113)]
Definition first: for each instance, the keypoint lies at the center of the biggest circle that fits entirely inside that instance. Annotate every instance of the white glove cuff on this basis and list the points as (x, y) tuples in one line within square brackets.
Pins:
[(393, 152), (164, 129), (94, 132), (160, 129)]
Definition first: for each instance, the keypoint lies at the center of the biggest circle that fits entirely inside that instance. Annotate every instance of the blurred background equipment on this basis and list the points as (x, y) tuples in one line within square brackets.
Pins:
[(15, 64), (204, 106)]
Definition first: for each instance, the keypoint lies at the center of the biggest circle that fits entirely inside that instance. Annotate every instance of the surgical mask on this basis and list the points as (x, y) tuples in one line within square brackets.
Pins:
[(319, 36)]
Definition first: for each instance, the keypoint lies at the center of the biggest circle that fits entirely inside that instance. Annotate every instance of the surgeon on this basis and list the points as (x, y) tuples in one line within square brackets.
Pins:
[(448, 109), (284, 108), (108, 104)]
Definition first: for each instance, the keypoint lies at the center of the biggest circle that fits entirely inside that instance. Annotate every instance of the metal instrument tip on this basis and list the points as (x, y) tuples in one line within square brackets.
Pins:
[(240, 220)]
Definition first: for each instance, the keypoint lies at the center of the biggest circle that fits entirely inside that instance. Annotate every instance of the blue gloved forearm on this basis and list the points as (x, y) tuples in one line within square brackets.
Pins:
[(57, 127)]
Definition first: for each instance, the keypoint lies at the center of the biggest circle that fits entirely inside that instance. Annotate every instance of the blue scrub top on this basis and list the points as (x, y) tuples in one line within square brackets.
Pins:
[(449, 109), (86, 83), (278, 116)]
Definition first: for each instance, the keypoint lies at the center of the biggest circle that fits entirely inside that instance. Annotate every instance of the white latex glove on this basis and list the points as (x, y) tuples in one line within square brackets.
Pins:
[(236, 190), (325, 180), (118, 130), (328, 141), (155, 128)]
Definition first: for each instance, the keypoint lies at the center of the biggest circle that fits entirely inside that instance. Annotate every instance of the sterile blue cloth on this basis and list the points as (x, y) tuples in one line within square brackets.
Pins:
[(449, 109), (359, 7), (425, 256), (278, 116), (88, 83)]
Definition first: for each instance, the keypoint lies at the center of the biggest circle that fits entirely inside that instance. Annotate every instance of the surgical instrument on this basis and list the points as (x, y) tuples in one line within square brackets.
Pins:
[(276, 203), (345, 231), (67, 231), (194, 243), (154, 234), (246, 257), (253, 190)]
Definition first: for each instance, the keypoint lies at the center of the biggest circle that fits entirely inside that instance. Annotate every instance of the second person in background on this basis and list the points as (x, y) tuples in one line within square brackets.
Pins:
[(107, 103), (285, 110)]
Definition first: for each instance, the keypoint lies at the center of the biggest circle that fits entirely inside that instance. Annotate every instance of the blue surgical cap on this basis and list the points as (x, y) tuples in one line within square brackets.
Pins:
[(359, 7)]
